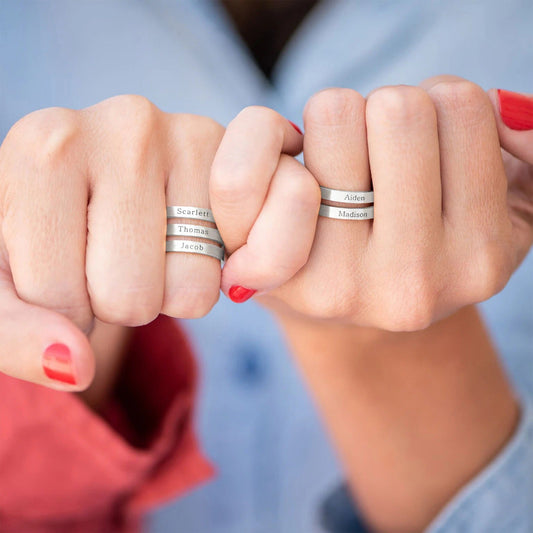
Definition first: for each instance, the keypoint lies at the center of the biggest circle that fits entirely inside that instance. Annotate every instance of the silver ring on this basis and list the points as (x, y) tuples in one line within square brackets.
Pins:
[(198, 213), (190, 230), (347, 197), (194, 247), (347, 213)]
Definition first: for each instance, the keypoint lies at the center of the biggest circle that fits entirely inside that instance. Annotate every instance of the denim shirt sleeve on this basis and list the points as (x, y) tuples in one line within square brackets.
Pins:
[(499, 499)]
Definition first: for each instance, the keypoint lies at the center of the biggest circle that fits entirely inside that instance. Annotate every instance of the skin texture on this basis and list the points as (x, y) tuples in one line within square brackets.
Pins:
[(450, 226), (413, 416), (119, 163), (97, 181)]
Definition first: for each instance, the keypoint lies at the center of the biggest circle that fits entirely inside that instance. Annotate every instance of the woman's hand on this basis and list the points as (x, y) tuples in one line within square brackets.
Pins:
[(452, 221), (265, 205), (83, 198)]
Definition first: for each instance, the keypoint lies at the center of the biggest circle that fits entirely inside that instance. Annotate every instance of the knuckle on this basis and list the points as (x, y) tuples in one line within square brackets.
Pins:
[(48, 134), (125, 316), (133, 109), (409, 300), (131, 309), (130, 122), (196, 129), (330, 302), (334, 106), (407, 315), (230, 182), (302, 190), (265, 118), (398, 104), (491, 272), (460, 95), (190, 302), (194, 138)]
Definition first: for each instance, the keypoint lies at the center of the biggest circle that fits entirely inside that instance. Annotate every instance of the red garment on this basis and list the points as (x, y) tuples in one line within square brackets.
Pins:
[(64, 468)]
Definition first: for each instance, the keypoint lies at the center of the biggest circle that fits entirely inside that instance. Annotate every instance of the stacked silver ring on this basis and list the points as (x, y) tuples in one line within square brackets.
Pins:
[(347, 197), (193, 230)]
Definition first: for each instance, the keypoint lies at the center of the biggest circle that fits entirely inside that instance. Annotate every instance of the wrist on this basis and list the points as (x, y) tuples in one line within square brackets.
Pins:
[(414, 416)]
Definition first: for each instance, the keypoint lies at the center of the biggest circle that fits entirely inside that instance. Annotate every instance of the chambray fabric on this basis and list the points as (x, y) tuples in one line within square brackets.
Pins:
[(276, 469)]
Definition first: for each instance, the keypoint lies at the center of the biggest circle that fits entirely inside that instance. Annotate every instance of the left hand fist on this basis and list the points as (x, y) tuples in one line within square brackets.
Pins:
[(453, 218)]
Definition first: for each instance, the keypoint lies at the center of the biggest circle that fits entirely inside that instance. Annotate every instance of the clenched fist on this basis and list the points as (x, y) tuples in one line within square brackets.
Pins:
[(453, 212), (83, 198)]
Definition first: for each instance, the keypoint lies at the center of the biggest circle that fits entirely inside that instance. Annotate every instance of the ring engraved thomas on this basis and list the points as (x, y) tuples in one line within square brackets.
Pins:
[(193, 230)]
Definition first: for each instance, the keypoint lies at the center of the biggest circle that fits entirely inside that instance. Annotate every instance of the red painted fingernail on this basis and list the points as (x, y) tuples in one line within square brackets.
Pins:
[(57, 363), (516, 110), (296, 127), (240, 294)]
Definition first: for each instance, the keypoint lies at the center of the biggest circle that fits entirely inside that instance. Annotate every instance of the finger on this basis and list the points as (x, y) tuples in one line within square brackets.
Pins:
[(192, 281), (281, 238), (243, 167), (126, 219), (44, 212), (473, 178), (335, 152), (514, 119), (403, 150), (40, 345)]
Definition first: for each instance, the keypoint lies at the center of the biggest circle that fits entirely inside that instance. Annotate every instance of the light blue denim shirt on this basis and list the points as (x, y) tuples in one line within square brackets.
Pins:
[(257, 422)]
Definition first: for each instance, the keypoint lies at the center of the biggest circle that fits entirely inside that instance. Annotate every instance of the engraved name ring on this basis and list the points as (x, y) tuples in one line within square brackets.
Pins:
[(347, 213), (193, 230), (346, 197), (198, 213), (188, 230), (195, 247)]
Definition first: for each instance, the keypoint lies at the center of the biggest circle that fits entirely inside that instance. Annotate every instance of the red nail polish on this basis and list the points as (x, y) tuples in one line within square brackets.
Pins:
[(240, 294), (57, 363), (296, 127), (516, 110)]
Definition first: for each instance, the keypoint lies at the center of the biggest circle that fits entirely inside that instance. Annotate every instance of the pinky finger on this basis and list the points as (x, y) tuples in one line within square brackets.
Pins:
[(281, 238)]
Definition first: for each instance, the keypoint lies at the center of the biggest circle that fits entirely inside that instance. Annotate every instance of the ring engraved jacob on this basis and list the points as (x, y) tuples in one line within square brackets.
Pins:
[(193, 230), (347, 197)]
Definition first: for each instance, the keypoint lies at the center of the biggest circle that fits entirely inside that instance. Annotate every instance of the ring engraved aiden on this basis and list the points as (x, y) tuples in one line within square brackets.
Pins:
[(194, 247), (347, 197), (347, 213)]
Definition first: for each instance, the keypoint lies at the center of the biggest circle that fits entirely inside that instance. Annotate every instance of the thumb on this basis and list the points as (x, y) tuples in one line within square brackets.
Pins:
[(514, 117), (40, 345)]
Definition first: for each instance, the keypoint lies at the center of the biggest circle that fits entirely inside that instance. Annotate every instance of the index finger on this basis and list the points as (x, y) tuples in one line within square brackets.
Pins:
[(243, 167)]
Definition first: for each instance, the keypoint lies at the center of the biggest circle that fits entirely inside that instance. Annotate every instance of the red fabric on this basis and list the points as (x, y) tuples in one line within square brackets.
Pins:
[(64, 468)]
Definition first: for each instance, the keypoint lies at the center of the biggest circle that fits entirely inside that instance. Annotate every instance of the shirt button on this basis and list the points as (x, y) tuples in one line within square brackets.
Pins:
[(250, 365)]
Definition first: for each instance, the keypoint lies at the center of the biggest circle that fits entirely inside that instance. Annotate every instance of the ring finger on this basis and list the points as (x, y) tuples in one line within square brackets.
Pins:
[(335, 152), (192, 279)]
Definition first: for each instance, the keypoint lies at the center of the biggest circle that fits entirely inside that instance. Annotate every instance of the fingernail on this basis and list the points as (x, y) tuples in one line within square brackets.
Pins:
[(295, 127), (57, 363), (240, 294), (516, 110)]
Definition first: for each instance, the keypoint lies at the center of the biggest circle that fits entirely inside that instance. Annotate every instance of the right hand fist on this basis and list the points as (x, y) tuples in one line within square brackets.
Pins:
[(83, 198)]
